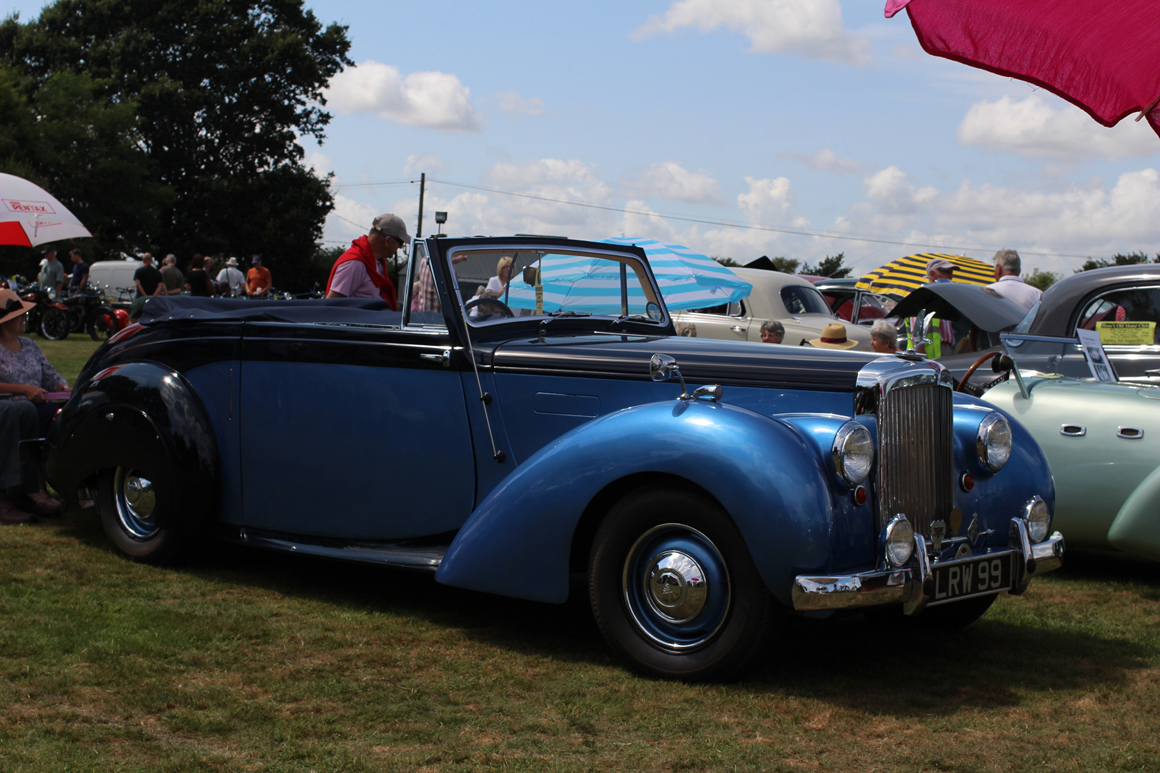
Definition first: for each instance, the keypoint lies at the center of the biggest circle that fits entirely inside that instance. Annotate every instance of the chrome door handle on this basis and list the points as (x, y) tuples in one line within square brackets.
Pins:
[(1129, 433), (1073, 430), (737, 329), (443, 359)]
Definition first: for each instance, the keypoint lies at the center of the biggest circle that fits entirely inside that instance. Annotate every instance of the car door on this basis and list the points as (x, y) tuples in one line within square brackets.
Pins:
[(728, 322), (354, 432), (1128, 321)]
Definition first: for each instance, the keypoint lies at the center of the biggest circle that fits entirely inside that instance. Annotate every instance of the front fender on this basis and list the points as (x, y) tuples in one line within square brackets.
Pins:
[(142, 415), (762, 471), (1137, 525)]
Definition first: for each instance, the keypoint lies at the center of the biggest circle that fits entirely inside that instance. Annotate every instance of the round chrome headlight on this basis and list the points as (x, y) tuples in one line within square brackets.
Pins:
[(994, 442), (1038, 519), (853, 453), (899, 540)]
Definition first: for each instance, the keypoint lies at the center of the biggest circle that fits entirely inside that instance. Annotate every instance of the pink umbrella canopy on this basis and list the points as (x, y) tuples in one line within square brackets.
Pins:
[(1100, 56), (30, 216)]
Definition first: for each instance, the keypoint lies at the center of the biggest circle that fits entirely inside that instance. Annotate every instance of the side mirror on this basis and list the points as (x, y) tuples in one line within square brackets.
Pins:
[(661, 367)]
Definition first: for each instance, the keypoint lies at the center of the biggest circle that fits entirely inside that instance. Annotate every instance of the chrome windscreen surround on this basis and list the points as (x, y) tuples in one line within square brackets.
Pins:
[(914, 403)]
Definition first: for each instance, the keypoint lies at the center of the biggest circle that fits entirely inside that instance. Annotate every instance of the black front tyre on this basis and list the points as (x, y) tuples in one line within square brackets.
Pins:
[(55, 324), (674, 589), (128, 501)]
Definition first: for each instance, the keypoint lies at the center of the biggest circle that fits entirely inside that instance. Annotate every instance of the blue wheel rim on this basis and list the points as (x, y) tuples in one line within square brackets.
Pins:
[(676, 587)]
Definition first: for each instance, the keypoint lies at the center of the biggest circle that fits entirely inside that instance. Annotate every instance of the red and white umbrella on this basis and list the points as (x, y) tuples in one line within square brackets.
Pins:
[(1100, 56), (30, 216)]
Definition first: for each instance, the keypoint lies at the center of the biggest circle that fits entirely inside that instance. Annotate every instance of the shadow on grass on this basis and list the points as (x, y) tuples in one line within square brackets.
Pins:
[(876, 666)]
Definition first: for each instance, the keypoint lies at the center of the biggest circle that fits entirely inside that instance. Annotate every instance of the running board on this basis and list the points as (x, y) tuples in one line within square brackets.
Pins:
[(425, 558)]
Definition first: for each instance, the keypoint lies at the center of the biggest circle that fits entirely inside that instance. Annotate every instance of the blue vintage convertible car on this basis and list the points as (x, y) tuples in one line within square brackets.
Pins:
[(507, 444)]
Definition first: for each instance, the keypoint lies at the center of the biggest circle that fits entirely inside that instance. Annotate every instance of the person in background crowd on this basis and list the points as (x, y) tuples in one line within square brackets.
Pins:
[(361, 271), (17, 422), (833, 337), (939, 331), (80, 272), (257, 278), (772, 332), (171, 275), (26, 373), (52, 272), (883, 337), (1008, 284), (231, 281), (198, 280), (149, 281)]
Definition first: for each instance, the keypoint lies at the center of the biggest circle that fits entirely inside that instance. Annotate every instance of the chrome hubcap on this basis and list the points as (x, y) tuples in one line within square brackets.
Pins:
[(678, 588), (136, 501)]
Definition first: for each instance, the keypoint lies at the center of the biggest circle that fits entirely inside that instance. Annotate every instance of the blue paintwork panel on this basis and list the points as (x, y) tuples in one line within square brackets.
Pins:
[(761, 471), (354, 452), (217, 386), (530, 429)]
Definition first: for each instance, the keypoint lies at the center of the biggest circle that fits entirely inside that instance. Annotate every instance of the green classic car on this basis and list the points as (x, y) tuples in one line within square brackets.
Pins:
[(1102, 440)]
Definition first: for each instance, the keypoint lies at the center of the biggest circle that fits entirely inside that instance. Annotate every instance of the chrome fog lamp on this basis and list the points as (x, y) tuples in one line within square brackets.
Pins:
[(1038, 519), (899, 540), (993, 442), (853, 453)]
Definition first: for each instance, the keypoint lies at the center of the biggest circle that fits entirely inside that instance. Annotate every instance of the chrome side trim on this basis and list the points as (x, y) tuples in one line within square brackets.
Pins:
[(427, 558)]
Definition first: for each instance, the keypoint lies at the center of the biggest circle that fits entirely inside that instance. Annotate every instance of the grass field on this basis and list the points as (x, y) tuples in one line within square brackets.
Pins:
[(68, 356), (242, 660), (250, 661)]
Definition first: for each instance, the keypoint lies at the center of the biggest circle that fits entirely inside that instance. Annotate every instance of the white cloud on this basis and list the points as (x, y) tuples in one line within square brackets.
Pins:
[(807, 28), (348, 220), (825, 160), (423, 163), (1031, 127), (320, 163), (669, 180), (513, 104), (890, 191), (768, 201), (430, 99)]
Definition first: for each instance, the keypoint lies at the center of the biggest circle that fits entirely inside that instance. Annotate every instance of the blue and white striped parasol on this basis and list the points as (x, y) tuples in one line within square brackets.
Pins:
[(687, 280)]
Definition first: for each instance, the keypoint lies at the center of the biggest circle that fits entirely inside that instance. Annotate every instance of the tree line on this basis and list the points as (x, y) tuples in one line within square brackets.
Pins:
[(171, 127)]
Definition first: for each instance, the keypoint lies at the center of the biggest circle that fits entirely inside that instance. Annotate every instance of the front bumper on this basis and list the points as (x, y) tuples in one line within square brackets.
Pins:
[(912, 585)]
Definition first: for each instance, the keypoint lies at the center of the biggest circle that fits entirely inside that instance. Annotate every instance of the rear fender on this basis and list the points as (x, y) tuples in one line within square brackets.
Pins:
[(1137, 526), (142, 415), (762, 471)]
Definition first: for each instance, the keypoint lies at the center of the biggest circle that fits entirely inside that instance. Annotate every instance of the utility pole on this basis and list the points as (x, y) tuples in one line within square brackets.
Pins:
[(422, 188)]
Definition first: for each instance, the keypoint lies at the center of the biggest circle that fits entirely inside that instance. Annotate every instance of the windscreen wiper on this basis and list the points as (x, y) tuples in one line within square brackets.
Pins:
[(557, 315)]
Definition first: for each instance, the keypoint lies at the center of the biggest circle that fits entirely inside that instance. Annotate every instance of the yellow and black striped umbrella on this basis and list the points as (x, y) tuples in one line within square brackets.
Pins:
[(899, 277)]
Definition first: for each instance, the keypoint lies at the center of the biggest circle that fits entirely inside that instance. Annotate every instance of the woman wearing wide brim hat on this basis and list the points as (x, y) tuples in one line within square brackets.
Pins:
[(833, 337), (26, 378)]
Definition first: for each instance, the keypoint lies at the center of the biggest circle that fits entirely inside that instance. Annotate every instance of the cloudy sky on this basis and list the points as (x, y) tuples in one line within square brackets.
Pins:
[(740, 128)]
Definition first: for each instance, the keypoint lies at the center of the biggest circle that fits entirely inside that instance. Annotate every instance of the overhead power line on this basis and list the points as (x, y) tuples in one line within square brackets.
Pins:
[(719, 223)]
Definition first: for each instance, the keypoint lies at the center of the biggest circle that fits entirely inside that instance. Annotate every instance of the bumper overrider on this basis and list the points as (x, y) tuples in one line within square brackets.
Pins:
[(914, 585)]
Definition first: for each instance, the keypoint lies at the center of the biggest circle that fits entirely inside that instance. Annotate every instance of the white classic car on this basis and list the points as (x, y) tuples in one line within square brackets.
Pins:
[(791, 300)]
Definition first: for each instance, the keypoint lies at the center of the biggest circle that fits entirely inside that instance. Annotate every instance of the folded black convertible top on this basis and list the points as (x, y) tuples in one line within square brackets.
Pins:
[(359, 311)]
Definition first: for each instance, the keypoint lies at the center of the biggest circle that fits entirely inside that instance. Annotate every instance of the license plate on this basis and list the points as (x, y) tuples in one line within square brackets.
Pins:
[(968, 577)]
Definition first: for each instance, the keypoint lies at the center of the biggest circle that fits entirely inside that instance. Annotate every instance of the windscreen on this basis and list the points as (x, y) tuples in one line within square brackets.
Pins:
[(511, 283), (1048, 357)]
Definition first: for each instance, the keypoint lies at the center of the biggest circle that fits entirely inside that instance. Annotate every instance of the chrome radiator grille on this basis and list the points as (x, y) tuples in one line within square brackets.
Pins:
[(915, 454)]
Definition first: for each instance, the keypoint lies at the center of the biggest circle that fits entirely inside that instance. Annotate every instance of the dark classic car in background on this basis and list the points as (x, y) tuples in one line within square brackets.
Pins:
[(1121, 303), (850, 304), (562, 428)]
